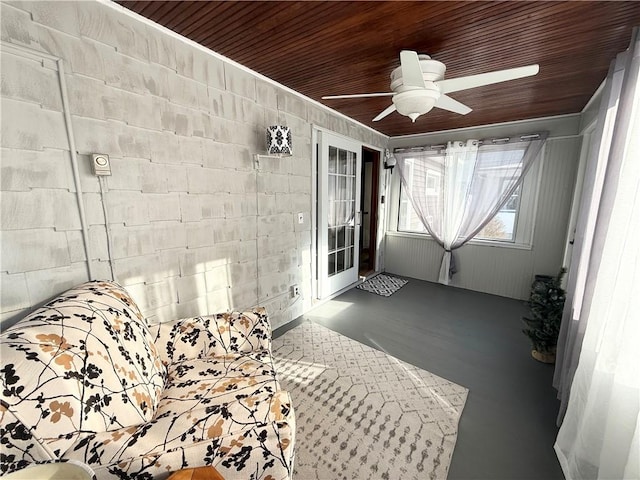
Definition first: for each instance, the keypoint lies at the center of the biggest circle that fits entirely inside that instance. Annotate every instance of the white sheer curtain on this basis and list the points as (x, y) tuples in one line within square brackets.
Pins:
[(600, 434), (455, 193)]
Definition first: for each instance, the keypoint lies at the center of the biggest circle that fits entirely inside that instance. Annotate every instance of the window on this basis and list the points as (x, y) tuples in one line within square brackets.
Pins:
[(513, 224), (502, 227)]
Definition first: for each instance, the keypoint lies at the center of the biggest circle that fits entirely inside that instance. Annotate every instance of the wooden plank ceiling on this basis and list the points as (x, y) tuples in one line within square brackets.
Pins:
[(328, 48)]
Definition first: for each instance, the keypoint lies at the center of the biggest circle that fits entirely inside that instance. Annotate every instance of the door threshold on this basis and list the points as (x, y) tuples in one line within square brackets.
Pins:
[(364, 276)]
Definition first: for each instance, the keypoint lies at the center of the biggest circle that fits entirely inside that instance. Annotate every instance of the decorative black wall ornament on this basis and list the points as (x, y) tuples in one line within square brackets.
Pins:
[(279, 140)]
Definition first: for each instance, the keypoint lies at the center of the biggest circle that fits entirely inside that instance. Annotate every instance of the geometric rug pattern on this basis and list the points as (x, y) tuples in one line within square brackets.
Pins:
[(382, 284), (361, 413)]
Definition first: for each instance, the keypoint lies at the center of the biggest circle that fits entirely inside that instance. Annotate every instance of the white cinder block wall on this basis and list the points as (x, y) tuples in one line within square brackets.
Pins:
[(195, 228)]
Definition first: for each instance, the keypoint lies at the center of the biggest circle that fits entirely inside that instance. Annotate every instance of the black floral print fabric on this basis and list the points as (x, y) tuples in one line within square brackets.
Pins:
[(85, 379)]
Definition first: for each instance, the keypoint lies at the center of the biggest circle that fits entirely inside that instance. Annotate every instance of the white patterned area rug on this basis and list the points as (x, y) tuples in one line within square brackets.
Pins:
[(363, 414), (382, 284)]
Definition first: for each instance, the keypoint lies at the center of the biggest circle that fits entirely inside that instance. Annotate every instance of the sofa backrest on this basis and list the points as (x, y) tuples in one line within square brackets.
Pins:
[(85, 362)]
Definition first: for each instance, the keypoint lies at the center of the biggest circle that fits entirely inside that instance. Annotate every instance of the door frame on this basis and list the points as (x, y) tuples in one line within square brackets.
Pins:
[(374, 206), (380, 225)]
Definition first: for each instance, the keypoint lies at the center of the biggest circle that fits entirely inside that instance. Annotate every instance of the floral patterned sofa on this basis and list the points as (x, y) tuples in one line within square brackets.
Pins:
[(84, 378)]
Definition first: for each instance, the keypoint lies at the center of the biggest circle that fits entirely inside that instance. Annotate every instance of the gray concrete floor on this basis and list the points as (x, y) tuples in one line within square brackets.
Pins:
[(507, 429)]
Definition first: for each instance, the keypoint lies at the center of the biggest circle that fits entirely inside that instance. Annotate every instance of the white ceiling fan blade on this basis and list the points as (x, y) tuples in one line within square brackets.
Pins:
[(358, 95), (472, 81), (411, 71), (390, 109), (447, 103)]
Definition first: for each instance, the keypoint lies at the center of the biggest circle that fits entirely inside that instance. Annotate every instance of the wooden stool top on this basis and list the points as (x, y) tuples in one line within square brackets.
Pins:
[(199, 473)]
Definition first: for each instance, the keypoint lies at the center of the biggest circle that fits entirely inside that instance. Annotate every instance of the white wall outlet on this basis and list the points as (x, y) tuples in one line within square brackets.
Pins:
[(295, 290), (301, 217), (101, 164)]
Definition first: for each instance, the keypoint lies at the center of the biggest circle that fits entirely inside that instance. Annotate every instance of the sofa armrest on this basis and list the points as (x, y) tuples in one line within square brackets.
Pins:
[(213, 335)]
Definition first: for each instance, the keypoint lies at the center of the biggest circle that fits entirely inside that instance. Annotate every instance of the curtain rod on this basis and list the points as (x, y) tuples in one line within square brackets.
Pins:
[(503, 140)]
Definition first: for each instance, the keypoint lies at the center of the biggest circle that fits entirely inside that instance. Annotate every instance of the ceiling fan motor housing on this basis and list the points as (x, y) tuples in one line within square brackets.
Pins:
[(432, 71)]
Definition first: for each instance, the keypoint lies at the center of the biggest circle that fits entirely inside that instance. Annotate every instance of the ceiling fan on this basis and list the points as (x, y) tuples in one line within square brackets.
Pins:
[(418, 85)]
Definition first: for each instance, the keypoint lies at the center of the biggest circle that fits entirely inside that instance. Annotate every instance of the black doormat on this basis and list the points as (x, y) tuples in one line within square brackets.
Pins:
[(382, 284)]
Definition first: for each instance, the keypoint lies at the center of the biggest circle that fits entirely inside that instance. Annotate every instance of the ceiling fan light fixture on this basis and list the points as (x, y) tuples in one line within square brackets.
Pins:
[(414, 103)]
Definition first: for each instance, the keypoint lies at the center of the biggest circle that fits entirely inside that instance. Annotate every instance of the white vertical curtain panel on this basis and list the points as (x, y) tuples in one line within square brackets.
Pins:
[(600, 434), (475, 181)]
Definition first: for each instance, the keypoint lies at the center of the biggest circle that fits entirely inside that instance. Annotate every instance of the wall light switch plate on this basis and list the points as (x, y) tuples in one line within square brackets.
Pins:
[(101, 164), (301, 218)]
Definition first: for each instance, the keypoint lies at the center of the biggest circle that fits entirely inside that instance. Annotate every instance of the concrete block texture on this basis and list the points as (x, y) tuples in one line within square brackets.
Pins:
[(200, 234), (146, 268), (273, 183), (16, 27), (33, 249), (239, 205), (97, 136), (46, 284), (197, 64), (163, 206), (292, 202), (290, 103), (61, 16), (278, 263), (127, 174), (212, 205), (131, 241), (81, 56), (190, 287), (176, 178), (274, 225), (244, 297), (266, 94), (124, 72), (23, 170), (153, 178), (106, 25), (199, 260), (93, 208), (239, 81), (32, 127), (14, 293), (162, 48), (130, 208), (169, 235), (27, 80), (152, 295), (234, 229), (39, 208)]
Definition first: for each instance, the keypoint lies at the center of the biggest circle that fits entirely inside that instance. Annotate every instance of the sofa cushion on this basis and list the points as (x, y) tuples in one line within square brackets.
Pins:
[(249, 437), (217, 380), (83, 362), (213, 335)]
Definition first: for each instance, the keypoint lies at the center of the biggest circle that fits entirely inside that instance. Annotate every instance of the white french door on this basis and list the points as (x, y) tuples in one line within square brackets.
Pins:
[(339, 164)]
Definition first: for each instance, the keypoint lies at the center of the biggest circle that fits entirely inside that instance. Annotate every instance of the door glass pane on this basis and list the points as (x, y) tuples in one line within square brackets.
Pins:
[(342, 193), (351, 163), (332, 239), (332, 264), (348, 258), (342, 161), (333, 155), (350, 234), (340, 261), (341, 237)]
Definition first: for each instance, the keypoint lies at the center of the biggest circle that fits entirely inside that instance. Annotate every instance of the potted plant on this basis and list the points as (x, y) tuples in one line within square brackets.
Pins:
[(546, 303)]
